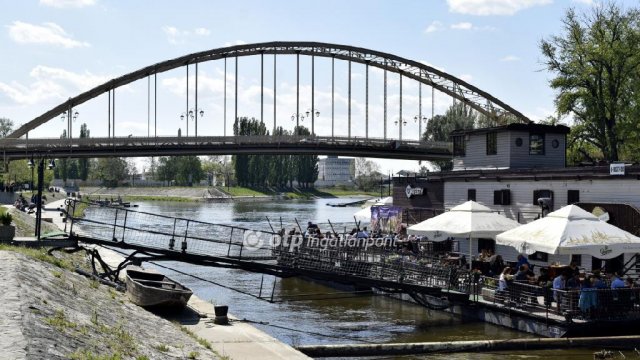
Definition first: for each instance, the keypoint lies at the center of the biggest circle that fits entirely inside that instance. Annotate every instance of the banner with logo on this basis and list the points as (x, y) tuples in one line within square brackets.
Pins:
[(386, 218)]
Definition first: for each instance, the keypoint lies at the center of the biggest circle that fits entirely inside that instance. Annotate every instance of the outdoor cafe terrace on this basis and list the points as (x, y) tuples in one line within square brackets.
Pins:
[(446, 272)]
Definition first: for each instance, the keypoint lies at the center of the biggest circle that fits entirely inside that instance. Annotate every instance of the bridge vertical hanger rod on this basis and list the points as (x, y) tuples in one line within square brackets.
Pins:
[(274, 93), (297, 92), (313, 109), (113, 114), (333, 88), (109, 114), (433, 101), (419, 111), (400, 123), (148, 106), (186, 111), (262, 87), (385, 101), (195, 109), (225, 98), (236, 90), (155, 104), (366, 107), (349, 103)]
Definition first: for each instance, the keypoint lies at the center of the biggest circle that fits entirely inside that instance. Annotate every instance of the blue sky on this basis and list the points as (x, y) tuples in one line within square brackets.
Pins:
[(55, 49)]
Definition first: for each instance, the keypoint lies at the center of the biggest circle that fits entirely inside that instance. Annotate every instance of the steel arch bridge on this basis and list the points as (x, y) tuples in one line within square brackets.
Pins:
[(18, 144)]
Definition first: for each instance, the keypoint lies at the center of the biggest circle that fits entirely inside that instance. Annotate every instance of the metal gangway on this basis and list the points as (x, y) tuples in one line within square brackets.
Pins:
[(161, 237)]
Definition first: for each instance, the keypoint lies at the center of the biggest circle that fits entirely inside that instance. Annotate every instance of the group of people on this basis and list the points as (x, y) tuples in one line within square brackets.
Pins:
[(570, 289)]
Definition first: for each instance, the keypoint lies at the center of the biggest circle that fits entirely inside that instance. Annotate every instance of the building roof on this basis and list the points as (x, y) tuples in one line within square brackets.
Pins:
[(533, 127)]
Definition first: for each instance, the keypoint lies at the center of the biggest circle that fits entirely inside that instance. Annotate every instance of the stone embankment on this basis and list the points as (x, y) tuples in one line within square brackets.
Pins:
[(49, 312)]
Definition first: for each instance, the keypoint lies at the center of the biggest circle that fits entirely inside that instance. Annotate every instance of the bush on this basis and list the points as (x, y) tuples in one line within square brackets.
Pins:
[(6, 219)]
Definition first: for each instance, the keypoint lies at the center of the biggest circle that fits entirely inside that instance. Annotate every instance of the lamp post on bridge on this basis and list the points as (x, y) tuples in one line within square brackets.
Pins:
[(71, 117), (313, 113), (191, 114), (401, 123)]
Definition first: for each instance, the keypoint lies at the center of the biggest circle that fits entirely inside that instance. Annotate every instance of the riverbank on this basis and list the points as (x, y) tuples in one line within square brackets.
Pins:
[(81, 319), (175, 193)]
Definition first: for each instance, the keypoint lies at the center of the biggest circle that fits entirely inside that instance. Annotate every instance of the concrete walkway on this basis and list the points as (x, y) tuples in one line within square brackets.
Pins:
[(237, 341)]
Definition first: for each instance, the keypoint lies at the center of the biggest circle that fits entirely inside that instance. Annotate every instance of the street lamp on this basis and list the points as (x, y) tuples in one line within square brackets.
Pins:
[(400, 123), (31, 165), (420, 119), (38, 199), (70, 117), (191, 114)]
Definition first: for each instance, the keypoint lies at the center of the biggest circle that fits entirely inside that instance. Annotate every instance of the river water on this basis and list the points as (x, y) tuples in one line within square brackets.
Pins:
[(338, 318)]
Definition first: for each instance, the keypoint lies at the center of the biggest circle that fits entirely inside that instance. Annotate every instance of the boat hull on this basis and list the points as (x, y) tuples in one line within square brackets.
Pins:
[(155, 290)]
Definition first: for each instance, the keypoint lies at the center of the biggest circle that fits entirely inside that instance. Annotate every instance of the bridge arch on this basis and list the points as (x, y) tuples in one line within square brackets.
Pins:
[(459, 89)]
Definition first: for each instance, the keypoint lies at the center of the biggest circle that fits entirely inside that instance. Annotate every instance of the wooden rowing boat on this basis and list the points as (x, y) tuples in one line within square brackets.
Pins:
[(151, 289)]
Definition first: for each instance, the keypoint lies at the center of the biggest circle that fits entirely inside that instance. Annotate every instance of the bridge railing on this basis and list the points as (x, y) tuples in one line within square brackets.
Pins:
[(155, 231), (308, 140)]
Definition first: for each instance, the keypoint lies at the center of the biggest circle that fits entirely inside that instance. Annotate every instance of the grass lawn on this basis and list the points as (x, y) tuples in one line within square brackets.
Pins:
[(243, 191)]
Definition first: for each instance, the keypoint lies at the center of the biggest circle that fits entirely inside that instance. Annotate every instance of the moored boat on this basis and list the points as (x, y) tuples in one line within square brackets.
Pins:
[(151, 289)]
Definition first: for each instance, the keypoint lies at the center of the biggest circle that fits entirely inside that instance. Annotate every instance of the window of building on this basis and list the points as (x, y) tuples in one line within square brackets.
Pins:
[(539, 256), (502, 197), (573, 196), (577, 259), (537, 194), (486, 244), (536, 144), (471, 194), (459, 145), (492, 143)]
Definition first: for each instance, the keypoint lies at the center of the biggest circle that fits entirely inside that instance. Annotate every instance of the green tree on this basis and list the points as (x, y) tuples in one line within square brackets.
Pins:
[(83, 164), (439, 128), (6, 126), (596, 61), (110, 170)]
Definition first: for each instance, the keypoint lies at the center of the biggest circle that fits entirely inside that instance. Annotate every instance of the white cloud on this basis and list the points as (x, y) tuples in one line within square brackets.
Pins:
[(492, 7), (50, 83), (465, 77), (48, 33), (176, 36), (510, 58), (433, 27), (235, 42), (462, 26), (202, 31), (67, 3)]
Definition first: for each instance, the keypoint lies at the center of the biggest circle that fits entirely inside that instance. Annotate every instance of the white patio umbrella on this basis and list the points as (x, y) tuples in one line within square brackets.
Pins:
[(363, 214), (568, 231), (469, 219)]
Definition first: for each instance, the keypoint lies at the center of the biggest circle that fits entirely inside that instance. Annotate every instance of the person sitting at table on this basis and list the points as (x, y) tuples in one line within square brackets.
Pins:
[(616, 282), (588, 300), (573, 267), (521, 261), (573, 282), (559, 283), (544, 281), (524, 274), (496, 265), (484, 255), (503, 282)]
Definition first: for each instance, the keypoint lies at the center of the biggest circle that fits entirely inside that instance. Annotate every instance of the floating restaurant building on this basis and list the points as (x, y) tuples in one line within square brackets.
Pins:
[(517, 170)]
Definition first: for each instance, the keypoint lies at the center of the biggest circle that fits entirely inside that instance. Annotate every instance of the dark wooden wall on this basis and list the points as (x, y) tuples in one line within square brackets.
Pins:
[(624, 216), (432, 198)]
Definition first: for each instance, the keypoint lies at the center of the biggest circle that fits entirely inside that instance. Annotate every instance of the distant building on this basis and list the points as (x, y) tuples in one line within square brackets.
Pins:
[(333, 170)]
